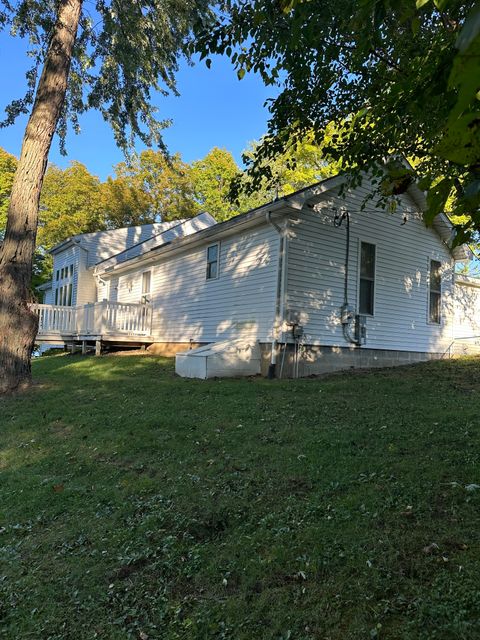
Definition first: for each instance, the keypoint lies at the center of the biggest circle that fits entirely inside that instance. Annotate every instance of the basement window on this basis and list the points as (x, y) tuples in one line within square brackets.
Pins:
[(367, 279), (435, 293), (212, 262)]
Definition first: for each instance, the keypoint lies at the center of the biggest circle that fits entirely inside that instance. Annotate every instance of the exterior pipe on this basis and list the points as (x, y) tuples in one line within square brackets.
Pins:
[(280, 291)]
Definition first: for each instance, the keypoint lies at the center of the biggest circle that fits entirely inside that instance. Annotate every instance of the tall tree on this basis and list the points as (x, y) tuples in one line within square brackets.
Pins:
[(110, 62), (402, 77)]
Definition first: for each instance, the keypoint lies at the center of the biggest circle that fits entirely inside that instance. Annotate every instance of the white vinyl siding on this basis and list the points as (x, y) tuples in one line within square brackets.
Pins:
[(239, 303), (48, 297), (467, 309), (316, 275)]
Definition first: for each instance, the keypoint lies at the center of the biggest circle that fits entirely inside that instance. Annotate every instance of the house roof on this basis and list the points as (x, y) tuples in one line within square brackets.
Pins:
[(285, 205), (182, 228), (45, 286), (250, 218), (134, 231), (467, 281)]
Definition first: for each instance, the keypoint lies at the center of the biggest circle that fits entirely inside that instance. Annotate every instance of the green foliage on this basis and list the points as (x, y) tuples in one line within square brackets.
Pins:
[(212, 177), (301, 164), (138, 504), (70, 203), (125, 203), (402, 79), (8, 165), (162, 185), (42, 268)]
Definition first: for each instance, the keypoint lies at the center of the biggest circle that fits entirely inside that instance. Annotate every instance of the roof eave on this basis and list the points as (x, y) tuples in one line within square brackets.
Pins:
[(289, 204)]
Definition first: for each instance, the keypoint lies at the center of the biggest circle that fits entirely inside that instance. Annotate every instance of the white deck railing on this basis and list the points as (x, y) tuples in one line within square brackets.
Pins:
[(96, 318), (53, 318)]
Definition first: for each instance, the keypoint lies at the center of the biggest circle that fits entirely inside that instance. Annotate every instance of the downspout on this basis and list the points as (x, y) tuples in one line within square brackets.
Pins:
[(347, 312), (280, 290)]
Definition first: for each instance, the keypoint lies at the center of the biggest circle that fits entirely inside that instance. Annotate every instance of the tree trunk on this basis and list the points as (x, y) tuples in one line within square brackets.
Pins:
[(18, 325)]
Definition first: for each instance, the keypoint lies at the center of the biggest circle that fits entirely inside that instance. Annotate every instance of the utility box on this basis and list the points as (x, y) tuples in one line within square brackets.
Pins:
[(293, 317), (360, 329)]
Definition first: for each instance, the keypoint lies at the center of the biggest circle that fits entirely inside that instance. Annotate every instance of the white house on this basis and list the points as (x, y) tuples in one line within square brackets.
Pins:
[(305, 284)]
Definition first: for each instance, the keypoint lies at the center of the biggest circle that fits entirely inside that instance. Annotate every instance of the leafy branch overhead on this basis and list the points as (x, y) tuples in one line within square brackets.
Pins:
[(399, 79), (123, 51)]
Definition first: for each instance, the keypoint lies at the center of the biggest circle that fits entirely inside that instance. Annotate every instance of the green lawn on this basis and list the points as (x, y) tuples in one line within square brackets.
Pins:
[(135, 504)]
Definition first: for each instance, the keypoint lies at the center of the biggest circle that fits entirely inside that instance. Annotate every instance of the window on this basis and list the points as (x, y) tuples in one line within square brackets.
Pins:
[(212, 262), (58, 275), (146, 282), (367, 279), (435, 301), (71, 270)]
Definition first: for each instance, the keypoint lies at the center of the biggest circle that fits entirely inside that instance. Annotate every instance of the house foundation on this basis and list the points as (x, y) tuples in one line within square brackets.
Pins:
[(311, 360), (170, 349)]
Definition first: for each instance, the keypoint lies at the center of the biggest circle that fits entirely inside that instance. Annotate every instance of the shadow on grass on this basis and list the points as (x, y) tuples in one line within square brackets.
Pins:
[(135, 501)]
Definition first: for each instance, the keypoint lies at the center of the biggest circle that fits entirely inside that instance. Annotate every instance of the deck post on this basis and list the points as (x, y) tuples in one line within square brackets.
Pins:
[(84, 347), (98, 347)]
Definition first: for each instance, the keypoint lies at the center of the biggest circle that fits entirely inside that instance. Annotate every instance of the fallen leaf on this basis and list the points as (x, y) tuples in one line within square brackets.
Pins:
[(430, 548), (472, 487), (58, 488)]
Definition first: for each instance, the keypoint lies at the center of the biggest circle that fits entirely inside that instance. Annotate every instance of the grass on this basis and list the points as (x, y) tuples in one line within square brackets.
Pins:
[(135, 504)]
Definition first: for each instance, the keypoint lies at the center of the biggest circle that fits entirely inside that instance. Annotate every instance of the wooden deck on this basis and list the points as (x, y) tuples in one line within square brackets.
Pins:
[(99, 321)]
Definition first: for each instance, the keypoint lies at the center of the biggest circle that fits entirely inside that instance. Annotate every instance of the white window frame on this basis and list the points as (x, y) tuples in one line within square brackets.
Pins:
[(433, 323), (359, 265), (214, 244), (64, 279), (144, 273)]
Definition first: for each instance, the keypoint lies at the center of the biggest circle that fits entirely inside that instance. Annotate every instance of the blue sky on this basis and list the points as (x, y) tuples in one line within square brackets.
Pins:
[(214, 109)]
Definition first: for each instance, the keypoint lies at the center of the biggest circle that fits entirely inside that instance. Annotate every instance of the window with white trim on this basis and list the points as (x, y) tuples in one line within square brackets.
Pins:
[(64, 289), (212, 261), (435, 292), (366, 290), (146, 282)]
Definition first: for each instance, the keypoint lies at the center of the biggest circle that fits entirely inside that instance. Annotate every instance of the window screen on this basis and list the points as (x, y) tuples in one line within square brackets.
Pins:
[(212, 262), (367, 279), (435, 300)]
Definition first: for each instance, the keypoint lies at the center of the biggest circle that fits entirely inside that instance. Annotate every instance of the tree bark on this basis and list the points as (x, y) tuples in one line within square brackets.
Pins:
[(18, 325)]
